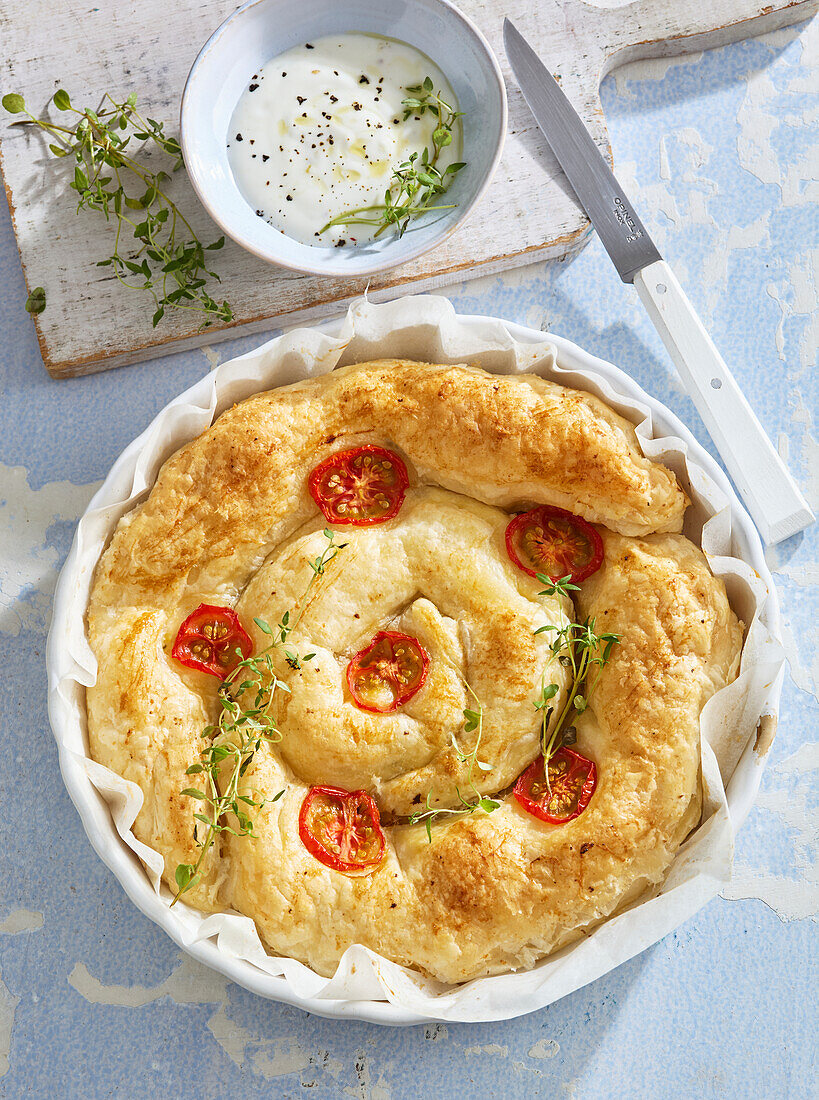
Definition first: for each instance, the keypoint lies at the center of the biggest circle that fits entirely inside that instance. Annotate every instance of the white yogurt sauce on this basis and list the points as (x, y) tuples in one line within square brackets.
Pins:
[(320, 128)]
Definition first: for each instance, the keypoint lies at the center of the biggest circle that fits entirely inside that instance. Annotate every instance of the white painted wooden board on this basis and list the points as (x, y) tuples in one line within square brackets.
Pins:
[(92, 323)]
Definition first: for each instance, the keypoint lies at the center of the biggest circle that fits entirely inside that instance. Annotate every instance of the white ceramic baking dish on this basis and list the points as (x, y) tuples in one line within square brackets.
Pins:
[(423, 318)]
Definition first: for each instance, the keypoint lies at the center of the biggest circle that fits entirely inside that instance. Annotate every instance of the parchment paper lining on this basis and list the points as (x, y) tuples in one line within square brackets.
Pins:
[(427, 328)]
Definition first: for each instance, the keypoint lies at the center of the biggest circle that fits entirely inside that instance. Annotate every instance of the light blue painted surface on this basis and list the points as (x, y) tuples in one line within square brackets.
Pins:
[(96, 1002)]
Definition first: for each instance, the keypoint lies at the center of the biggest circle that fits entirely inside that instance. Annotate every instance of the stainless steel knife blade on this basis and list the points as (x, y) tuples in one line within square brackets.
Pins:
[(623, 234)]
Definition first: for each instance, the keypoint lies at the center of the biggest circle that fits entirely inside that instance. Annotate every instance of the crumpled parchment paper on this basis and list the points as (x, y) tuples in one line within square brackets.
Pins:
[(427, 328)]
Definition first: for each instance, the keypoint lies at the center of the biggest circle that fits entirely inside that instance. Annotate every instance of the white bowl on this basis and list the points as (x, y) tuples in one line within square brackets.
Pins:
[(69, 661), (261, 30)]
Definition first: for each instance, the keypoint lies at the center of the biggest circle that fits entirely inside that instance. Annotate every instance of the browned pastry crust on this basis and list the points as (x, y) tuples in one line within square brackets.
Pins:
[(230, 521)]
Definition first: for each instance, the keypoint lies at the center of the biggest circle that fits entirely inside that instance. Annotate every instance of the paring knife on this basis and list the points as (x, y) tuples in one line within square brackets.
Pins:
[(768, 490)]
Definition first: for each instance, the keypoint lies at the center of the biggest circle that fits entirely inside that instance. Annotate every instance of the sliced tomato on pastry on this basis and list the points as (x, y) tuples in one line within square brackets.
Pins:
[(554, 542), (359, 487), (572, 780), (213, 640), (342, 829), (388, 672)]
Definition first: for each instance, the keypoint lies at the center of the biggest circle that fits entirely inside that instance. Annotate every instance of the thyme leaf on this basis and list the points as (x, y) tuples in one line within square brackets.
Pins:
[(561, 587), (36, 301)]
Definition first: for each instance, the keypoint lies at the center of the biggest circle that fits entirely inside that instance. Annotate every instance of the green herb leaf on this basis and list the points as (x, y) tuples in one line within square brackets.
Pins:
[(14, 103), (472, 717), (36, 301), (560, 587), (169, 257), (185, 877), (546, 693)]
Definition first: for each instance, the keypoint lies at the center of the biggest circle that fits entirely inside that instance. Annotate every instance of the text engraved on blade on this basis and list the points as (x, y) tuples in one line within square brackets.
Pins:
[(621, 213)]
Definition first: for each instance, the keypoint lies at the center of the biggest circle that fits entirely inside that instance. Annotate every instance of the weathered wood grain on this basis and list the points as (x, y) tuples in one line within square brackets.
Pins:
[(92, 323)]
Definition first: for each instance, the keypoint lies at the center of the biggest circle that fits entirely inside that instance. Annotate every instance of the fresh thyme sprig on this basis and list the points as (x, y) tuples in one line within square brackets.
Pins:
[(169, 261), (416, 183), (578, 648), (245, 723), (561, 587), (473, 720), (285, 627)]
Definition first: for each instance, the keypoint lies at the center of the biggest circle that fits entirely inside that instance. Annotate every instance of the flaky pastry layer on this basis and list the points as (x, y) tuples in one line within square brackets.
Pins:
[(230, 521)]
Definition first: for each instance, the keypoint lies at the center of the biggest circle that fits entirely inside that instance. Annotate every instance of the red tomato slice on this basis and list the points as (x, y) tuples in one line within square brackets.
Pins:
[(342, 829), (359, 487), (555, 542), (388, 672), (209, 638), (572, 779)]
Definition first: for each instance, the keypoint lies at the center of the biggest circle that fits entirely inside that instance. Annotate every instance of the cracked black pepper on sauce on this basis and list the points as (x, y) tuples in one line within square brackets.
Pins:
[(319, 130)]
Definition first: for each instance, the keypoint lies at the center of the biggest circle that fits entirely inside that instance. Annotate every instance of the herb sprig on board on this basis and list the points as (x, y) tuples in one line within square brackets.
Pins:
[(417, 183), (244, 724), (167, 260)]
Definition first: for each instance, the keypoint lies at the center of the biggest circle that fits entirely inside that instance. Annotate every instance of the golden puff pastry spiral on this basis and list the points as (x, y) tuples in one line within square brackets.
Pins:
[(230, 521)]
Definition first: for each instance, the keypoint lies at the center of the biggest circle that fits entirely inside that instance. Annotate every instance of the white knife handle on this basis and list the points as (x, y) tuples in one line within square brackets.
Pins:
[(767, 489)]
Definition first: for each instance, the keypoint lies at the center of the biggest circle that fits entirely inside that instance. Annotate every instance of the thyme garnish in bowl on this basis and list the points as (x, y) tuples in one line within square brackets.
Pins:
[(418, 182)]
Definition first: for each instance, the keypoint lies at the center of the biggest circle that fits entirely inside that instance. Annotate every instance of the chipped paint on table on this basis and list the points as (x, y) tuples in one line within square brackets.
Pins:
[(719, 152)]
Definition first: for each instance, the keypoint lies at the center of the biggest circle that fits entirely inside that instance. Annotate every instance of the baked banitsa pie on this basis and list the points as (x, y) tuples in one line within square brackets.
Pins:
[(410, 656)]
